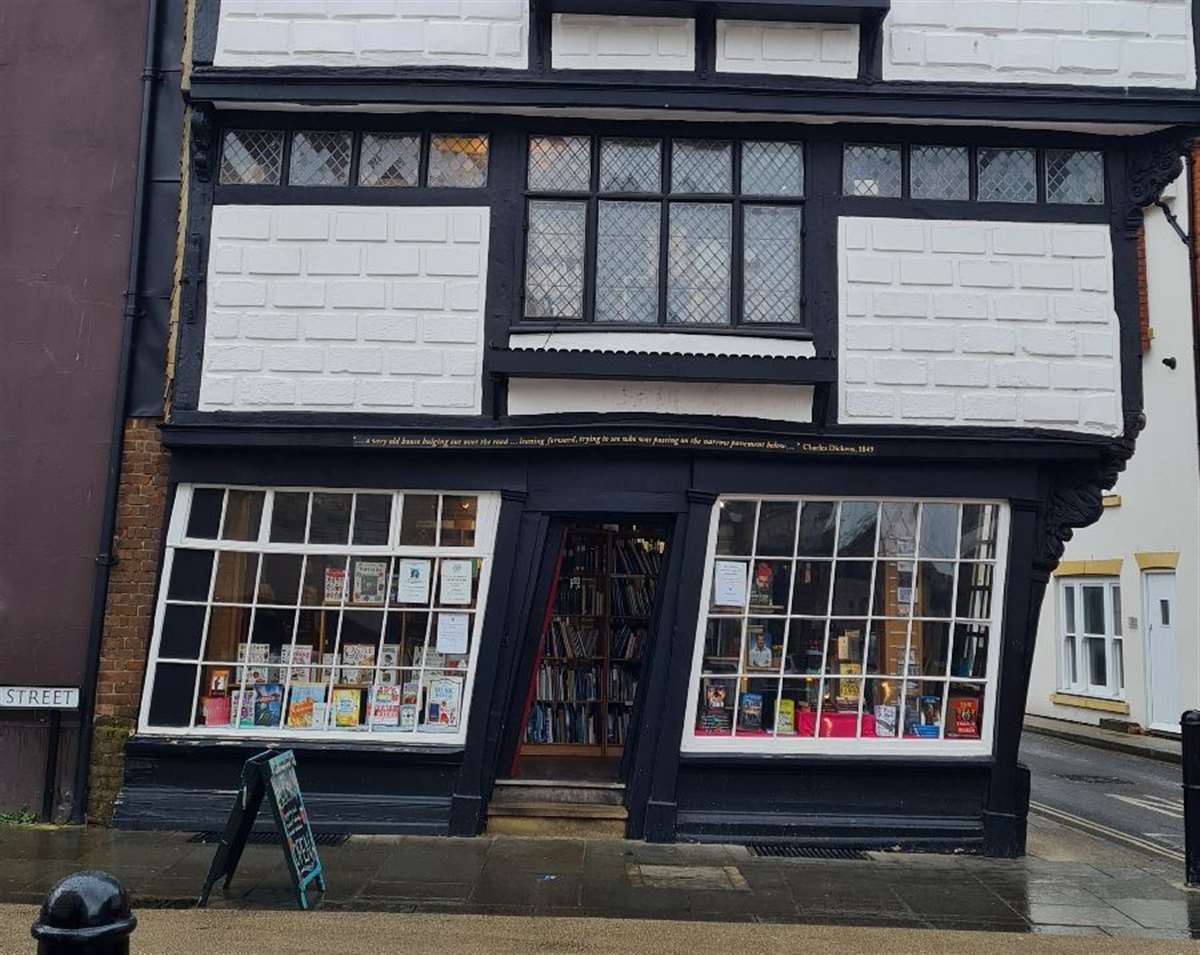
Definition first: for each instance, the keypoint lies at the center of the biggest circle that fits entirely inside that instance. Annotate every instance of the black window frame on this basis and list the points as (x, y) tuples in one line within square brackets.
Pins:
[(665, 197)]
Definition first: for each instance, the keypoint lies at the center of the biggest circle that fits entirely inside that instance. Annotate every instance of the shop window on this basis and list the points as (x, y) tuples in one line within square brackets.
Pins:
[(342, 159), (639, 232), (320, 613), (1092, 651), (855, 626), (981, 174)]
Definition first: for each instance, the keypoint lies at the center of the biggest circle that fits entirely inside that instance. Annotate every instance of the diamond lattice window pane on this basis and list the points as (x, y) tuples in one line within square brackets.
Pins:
[(872, 171), (701, 165), (773, 266), (1007, 175), (627, 262), (252, 157), (554, 259), (458, 161), (389, 159), (560, 163), (320, 159), (940, 172), (630, 165), (773, 169), (1074, 177), (699, 261)]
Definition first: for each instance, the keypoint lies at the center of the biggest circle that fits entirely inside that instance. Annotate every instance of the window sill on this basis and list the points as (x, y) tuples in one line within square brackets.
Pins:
[(1082, 702)]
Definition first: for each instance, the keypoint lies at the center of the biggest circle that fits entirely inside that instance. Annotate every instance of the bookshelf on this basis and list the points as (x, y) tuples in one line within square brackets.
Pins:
[(589, 658)]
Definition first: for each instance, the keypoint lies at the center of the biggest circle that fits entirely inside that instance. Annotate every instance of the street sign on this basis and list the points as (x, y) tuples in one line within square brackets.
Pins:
[(272, 775), (39, 697)]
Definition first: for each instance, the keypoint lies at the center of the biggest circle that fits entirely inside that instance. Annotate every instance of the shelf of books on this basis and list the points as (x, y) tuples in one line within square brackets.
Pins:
[(590, 658)]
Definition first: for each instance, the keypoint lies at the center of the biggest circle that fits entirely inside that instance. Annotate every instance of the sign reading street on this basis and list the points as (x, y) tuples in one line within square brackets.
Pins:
[(39, 697)]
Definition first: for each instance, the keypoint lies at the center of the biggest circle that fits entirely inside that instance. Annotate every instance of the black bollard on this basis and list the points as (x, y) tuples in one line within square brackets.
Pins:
[(1190, 724), (86, 913)]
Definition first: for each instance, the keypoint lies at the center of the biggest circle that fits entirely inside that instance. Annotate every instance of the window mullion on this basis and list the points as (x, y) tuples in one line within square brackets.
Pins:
[(664, 231)]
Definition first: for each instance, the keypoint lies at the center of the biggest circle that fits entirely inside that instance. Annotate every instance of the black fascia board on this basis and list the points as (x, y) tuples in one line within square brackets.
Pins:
[(490, 89), (822, 11), (564, 363)]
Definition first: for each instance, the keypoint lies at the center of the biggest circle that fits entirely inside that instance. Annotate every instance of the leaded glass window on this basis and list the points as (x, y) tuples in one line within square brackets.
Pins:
[(1074, 177), (389, 159), (1007, 175), (320, 159), (662, 229), (872, 171), (252, 157), (940, 172), (458, 161)]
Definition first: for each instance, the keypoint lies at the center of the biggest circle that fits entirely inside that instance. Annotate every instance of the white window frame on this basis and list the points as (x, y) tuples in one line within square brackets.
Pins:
[(1070, 591), (487, 515), (862, 746)]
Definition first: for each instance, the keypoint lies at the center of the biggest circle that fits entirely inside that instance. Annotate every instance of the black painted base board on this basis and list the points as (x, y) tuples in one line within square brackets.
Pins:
[(205, 810)]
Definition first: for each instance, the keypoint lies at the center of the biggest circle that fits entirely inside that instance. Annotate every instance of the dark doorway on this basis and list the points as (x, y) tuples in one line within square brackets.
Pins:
[(583, 701)]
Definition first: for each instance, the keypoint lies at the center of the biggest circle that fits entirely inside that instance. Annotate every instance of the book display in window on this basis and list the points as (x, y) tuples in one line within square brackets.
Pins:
[(586, 678)]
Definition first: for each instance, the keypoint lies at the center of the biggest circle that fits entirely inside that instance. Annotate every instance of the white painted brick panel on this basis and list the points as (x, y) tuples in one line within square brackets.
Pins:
[(1111, 43), (373, 33), (788, 49), (978, 323), (335, 308), (623, 43)]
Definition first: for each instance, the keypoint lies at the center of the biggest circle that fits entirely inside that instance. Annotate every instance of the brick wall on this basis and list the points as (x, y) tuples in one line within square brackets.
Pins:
[(623, 43), (129, 612), (787, 49), (978, 323), (345, 308), (1084, 42), (485, 33)]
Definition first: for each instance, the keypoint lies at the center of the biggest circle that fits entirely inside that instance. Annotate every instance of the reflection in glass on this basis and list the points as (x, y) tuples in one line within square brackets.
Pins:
[(817, 522), (897, 529), (191, 574), (330, 518), (279, 582), (418, 522), (777, 529), (372, 519), (735, 528), (970, 651), (236, 574), (856, 532), (243, 514), (204, 519), (289, 517), (722, 645), (811, 591), (1093, 609), (852, 588), (939, 531), (935, 589)]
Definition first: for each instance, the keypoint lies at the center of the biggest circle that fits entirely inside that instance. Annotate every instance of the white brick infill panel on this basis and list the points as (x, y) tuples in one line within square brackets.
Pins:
[(344, 309), (1077, 42), (984, 324), (349, 33), (788, 49), (622, 43)]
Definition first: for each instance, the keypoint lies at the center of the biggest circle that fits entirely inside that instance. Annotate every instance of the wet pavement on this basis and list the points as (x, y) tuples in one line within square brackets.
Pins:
[(1070, 884)]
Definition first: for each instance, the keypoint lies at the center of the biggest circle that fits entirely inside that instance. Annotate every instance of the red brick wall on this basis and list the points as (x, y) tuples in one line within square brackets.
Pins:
[(1143, 291), (129, 613)]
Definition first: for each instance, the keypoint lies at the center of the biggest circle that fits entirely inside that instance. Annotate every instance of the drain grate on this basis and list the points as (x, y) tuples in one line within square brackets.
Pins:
[(269, 838), (1093, 780), (806, 852)]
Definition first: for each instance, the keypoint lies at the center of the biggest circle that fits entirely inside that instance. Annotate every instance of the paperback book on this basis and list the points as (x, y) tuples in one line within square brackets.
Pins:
[(268, 705), (347, 708), (385, 706), (306, 706)]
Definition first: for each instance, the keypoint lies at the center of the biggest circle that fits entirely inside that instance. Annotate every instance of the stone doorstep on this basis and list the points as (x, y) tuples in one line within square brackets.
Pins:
[(510, 791)]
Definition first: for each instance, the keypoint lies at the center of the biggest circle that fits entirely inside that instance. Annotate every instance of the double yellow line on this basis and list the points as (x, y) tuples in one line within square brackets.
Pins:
[(1078, 822)]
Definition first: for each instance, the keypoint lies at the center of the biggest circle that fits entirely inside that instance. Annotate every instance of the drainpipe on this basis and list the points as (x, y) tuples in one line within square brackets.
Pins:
[(105, 558)]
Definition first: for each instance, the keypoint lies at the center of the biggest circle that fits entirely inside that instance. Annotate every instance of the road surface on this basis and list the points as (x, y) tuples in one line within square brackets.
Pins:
[(1138, 800)]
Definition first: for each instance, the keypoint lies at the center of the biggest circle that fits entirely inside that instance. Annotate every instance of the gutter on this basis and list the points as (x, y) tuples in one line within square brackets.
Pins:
[(105, 559)]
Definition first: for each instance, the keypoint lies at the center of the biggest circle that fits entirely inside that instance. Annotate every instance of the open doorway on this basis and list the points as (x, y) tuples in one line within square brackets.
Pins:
[(584, 697)]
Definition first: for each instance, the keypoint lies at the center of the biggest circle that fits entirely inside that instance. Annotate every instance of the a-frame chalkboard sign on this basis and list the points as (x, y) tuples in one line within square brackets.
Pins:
[(272, 775)]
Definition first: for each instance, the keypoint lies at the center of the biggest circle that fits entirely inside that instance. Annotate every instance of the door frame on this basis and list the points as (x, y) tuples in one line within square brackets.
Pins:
[(1148, 641)]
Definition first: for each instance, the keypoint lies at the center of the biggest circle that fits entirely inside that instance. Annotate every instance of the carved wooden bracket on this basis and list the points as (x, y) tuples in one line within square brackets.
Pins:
[(1151, 164)]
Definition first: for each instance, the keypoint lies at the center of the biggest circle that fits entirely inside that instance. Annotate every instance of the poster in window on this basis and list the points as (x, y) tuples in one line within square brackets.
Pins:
[(370, 582), (453, 631), (412, 582), (442, 702), (335, 585), (456, 582), (729, 583)]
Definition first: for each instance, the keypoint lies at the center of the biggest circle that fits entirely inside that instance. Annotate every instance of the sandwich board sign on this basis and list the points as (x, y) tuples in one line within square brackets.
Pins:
[(272, 775)]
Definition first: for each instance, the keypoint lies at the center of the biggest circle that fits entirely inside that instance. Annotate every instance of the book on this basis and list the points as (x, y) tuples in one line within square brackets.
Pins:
[(216, 710), (256, 656), (962, 720), (370, 582), (443, 697), (410, 695), (785, 718), (347, 707), (885, 719), (306, 705), (242, 707), (385, 706), (750, 712), (301, 657), (357, 661), (335, 585), (847, 691), (268, 705), (389, 659)]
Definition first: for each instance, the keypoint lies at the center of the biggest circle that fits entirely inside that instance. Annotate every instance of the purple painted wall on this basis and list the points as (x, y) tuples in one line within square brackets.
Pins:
[(70, 92)]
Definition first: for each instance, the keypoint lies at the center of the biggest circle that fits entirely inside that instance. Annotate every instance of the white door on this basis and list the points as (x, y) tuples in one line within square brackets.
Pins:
[(1163, 657)]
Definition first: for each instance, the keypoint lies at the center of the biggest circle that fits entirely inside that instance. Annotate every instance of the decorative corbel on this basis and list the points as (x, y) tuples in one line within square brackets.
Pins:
[(1151, 164)]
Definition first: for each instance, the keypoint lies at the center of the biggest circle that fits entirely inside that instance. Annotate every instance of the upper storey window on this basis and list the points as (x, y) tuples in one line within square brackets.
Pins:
[(334, 158), (984, 174), (678, 232)]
